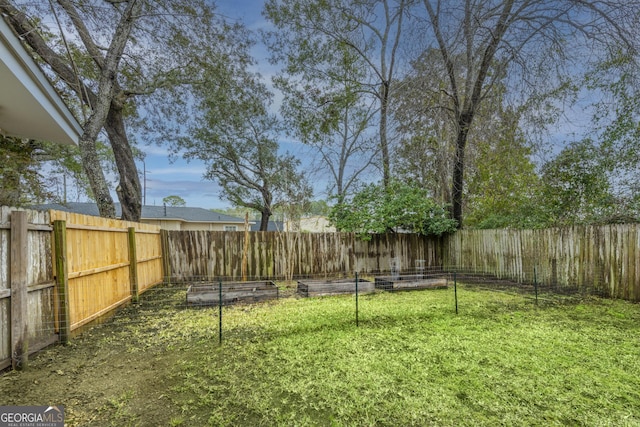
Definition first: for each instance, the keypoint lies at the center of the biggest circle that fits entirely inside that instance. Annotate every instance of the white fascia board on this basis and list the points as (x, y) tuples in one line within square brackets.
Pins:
[(30, 107)]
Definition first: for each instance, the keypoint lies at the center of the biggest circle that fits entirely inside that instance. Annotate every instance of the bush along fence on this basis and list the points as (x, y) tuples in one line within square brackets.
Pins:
[(60, 271)]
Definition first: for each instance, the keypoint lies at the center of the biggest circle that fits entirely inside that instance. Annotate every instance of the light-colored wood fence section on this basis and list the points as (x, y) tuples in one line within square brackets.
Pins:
[(98, 263), (149, 257), (39, 313), (211, 254), (606, 258)]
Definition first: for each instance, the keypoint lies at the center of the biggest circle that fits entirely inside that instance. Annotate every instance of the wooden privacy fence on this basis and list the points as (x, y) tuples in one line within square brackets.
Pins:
[(26, 285), (605, 258), (101, 264), (59, 271), (211, 254)]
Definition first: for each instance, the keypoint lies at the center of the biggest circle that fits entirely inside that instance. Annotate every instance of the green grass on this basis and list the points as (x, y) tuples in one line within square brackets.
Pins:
[(412, 361), (303, 362)]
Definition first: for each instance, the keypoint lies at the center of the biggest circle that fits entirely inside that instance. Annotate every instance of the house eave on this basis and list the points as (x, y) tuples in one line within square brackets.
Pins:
[(30, 107)]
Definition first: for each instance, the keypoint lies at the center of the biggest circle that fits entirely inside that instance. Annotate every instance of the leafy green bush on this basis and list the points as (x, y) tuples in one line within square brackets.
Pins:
[(399, 207)]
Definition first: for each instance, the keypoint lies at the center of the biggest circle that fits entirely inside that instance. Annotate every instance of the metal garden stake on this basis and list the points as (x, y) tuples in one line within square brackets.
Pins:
[(455, 290), (220, 309), (357, 324)]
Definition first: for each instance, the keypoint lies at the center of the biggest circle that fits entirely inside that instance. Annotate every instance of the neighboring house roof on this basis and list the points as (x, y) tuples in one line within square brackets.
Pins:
[(30, 107), (271, 226), (150, 212)]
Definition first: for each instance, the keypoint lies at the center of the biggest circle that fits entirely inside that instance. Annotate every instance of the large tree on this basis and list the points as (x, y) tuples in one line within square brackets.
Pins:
[(104, 105), (331, 114), (237, 137), (307, 32), (481, 43), (499, 170), (127, 61), (576, 188)]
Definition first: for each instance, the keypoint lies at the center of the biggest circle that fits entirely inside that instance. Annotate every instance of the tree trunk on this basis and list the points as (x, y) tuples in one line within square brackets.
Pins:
[(129, 190), (384, 143), (93, 169), (264, 220), (457, 189), (101, 110)]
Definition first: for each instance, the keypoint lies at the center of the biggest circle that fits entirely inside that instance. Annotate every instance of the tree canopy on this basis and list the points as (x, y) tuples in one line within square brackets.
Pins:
[(174, 200), (125, 61), (453, 104), (237, 140)]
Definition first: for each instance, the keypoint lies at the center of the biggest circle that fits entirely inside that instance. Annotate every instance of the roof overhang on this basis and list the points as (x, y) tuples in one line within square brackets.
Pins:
[(30, 107)]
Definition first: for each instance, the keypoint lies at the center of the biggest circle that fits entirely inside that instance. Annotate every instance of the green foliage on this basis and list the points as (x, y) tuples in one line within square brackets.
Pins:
[(577, 187), (616, 131), (29, 171), (237, 138), (399, 207), (21, 180), (504, 189), (174, 201), (319, 208)]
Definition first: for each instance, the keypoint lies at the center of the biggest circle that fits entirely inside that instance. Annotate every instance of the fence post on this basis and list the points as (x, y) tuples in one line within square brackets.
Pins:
[(62, 279), (133, 266), (455, 289), (535, 283), (166, 262), (19, 296), (220, 312), (357, 321)]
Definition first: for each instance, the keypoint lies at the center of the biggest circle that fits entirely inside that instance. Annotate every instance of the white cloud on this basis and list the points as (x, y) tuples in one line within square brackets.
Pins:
[(155, 150), (171, 170)]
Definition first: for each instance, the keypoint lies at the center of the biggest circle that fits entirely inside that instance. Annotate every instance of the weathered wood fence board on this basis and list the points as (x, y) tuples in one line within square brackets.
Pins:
[(604, 258), (32, 328), (210, 254)]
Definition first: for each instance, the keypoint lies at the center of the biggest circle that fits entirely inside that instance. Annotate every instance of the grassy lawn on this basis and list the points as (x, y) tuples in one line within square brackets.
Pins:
[(412, 361)]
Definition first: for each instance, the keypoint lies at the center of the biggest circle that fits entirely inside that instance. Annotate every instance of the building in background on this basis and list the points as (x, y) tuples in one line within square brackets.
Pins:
[(310, 224), (167, 217)]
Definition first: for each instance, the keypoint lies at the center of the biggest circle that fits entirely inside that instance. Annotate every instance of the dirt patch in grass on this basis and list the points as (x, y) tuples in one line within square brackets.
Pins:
[(106, 376)]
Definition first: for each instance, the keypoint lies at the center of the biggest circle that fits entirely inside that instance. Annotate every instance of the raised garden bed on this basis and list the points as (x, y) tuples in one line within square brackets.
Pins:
[(316, 288), (232, 293), (410, 282)]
